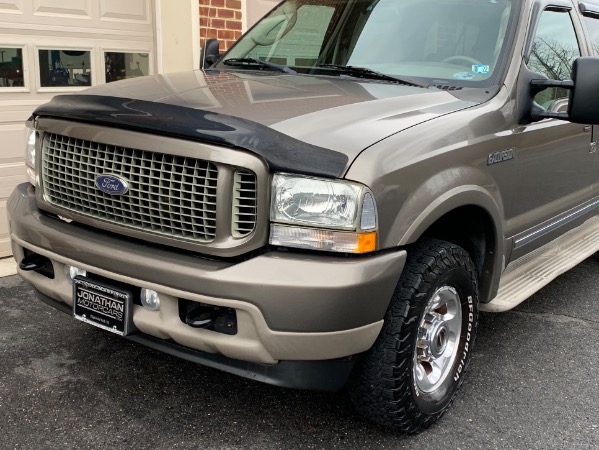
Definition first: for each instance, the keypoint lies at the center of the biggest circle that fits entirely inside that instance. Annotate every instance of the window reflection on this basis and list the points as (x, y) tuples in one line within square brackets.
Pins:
[(554, 50), (120, 66), (65, 68), (593, 27), (11, 67)]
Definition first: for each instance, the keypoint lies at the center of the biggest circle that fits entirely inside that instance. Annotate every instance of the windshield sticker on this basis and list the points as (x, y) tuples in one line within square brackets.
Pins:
[(481, 69), (463, 76)]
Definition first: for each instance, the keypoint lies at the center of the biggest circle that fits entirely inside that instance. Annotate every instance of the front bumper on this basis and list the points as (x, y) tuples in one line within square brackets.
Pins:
[(290, 307)]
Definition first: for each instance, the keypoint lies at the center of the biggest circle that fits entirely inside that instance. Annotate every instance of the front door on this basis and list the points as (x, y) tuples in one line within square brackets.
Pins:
[(556, 162)]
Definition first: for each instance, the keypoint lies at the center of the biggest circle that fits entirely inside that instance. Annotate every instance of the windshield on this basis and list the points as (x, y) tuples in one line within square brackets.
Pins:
[(447, 42)]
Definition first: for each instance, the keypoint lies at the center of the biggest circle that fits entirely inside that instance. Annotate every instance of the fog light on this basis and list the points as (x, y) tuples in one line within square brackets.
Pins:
[(150, 299), (73, 272)]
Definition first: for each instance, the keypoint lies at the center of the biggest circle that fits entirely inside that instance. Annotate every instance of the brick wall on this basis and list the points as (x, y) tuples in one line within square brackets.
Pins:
[(220, 19)]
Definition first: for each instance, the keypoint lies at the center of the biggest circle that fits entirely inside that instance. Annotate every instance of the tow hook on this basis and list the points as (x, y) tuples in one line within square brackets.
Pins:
[(33, 262), (200, 318), (208, 317)]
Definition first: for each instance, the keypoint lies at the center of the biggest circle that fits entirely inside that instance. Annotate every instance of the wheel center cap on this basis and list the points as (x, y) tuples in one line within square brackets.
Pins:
[(439, 339)]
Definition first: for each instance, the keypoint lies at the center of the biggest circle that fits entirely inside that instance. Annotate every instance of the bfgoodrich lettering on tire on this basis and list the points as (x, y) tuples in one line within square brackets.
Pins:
[(411, 375)]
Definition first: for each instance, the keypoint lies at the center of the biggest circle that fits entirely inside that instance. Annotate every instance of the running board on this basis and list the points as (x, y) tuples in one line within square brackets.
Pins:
[(528, 274)]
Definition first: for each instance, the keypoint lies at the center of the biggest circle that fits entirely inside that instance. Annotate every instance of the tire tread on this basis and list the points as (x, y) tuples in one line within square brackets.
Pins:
[(380, 388)]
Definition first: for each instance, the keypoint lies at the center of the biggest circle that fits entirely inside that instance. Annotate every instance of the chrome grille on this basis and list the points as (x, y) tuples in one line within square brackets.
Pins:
[(168, 195), (244, 203)]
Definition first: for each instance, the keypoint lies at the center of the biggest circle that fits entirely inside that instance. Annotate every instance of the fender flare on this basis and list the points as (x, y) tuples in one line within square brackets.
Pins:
[(461, 196), (466, 195)]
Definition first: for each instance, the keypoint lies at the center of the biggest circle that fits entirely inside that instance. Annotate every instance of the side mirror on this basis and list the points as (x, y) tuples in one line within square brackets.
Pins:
[(584, 98), (583, 103), (210, 53)]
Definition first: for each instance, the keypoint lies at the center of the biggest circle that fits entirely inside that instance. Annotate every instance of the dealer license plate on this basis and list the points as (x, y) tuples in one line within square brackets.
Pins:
[(102, 306)]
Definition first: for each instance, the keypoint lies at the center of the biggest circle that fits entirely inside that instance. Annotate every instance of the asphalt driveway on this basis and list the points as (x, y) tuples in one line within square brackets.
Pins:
[(533, 384)]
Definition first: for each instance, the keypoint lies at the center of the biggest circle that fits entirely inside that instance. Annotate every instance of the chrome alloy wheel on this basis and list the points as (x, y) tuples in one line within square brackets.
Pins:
[(438, 339)]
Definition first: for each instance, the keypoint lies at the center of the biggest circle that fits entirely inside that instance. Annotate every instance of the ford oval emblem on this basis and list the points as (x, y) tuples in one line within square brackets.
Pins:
[(112, 184)]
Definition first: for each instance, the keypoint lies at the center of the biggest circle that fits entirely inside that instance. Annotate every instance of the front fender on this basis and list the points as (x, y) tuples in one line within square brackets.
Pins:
[(437, 207), (439, 196)]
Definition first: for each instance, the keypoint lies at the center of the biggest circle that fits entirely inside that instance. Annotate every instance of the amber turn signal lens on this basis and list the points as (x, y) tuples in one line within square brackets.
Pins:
[(323, 240), (366, 242)]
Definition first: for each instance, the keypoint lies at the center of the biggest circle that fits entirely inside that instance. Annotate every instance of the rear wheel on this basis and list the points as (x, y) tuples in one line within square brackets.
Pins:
[(411, 375)]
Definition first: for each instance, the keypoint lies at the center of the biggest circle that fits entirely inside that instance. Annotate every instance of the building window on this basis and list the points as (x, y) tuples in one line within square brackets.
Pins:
[(11, 67), (65, 68), (120, 66)]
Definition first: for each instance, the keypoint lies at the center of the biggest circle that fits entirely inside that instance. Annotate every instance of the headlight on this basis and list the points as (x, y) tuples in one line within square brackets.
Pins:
[(322, 214), (30, 142)]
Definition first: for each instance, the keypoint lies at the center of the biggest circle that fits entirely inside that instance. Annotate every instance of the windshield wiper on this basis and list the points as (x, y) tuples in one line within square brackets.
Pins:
[(365, 72), (259, 62)]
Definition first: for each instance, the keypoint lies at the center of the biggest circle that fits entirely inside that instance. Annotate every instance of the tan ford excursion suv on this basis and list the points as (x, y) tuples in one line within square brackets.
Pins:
[(332, 201)]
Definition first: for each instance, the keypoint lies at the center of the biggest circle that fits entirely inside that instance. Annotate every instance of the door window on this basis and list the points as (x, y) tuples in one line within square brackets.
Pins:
[(554, 49), (11, 67)]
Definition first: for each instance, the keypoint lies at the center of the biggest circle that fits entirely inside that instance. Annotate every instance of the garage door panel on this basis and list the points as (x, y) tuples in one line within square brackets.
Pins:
[(12, 142), (12, 117), (19, 117), (12, 167), (4, 236), (63, 17), (10, 177), (102, 27), (11, 6), (131, 11), (78, 8)]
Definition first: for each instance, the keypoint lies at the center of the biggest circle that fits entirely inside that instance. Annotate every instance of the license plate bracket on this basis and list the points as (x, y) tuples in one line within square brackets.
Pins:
[(102, 305)]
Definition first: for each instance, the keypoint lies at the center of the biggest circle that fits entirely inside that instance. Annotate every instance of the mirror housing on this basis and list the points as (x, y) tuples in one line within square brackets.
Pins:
[(210, 53), (583, 103), (584, 97)]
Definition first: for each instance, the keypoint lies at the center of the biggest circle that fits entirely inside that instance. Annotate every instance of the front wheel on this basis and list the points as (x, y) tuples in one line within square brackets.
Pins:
[(411, 375)]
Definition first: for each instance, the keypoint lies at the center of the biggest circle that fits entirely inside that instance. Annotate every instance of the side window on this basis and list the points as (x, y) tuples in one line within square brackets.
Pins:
[(555, 47), (592, 24)]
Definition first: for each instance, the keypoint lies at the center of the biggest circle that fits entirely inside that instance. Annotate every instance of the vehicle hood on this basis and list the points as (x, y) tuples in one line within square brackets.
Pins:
[(343, 115)]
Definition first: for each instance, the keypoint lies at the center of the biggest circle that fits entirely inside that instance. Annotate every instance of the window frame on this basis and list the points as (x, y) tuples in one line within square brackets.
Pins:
[(57, 89), (104, 50), (590, 13), (26, 88), (559, 6), (581, 43), (556, 5)]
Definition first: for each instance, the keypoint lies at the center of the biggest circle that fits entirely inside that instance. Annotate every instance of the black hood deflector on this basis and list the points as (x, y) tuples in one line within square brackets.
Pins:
[(281, 152)]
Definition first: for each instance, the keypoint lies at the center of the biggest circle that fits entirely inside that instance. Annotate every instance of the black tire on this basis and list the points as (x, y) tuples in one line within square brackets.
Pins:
[(384, 387)]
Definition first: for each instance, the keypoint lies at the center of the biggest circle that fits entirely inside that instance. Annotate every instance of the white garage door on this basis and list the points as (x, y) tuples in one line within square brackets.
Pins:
[(50, 47)]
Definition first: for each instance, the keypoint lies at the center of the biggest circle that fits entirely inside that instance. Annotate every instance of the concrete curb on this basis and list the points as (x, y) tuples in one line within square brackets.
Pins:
[(8, 266)]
